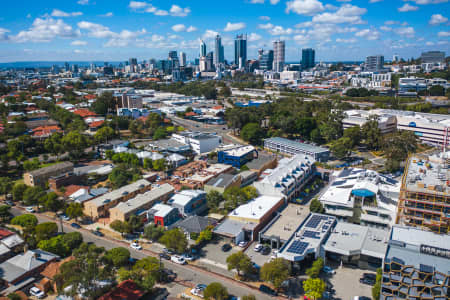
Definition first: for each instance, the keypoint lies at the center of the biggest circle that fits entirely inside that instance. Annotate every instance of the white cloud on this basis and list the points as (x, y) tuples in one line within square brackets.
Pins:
[(179, 27), (273, 2), (425, 2), (234, 26), (304, 7), (83, 2), (406, 31), (78, 51), (253, 37), (406, 7), (368, 34), (4, 34), (437, 19), (137, 4), (45, 30), (280, 30), (107, 15), (60, 13), (347, 41), (178, 11), (116, 39), (96, 30), (375, 1), (386, 28), (429, 44), (265, 26), (390, 22), (191, 29), (344, 0), (79, 43), (209, 34), (161, 12), (444, 34), (257, 1), (264, 18), (347, 13)]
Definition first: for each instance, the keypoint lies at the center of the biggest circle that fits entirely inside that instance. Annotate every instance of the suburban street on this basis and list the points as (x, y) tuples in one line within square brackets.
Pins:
[(187, 275)]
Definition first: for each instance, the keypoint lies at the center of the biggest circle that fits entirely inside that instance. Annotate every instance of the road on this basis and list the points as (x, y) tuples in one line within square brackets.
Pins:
[(188, 274)]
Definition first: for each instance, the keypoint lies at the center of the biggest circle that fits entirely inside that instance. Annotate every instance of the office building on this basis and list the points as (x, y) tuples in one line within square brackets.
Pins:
[(128, 100), (433, 57), (386, 122), (395, 58), (424, 194), (163, 215), (288, 178), (285, 146), (182, 59), (237, 156), (202, 48), (174, 63), (374, 63), (308, 58), (240, 51), (40, 176), (416, 265), (189, 202), (362, 197), (266, 60), (278, 55), (218, 52), (199, 142)]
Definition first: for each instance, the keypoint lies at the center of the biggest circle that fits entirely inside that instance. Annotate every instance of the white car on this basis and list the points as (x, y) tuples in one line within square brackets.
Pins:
[(178, 259), (136, 246), (258, 247), (198, 290), (65, 218), (34, 291), (243, 244), (188, 257), (30, 209)]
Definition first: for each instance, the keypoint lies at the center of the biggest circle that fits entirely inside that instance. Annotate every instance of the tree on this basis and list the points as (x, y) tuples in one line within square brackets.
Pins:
[(437, 90), (252, 133), (118, 256), (18, 191), (14, 296), (62, 245), (153, 232), (51, 202), (26, 221), (160, 133), (5, 214), (354, 134), (174, 239), (249, 297), (225, 92), (205, 235), (376, 289), (213, 199), (159, 165), (316, 206), (241, 262), (148, 164), (145, 272), (397, 146), (372, 133), (120, 226), (315, 269), (53, 144), (75, 143), (31, 165), (32, 195), (341, 148), (45, 231), (215, 291), (104, 134), (331, 127), (104, 104), (74, 210), (314, 287), (276, 271), (5, 185)]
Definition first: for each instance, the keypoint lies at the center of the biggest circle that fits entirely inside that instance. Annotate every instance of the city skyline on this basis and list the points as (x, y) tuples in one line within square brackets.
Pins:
[(343, 30)]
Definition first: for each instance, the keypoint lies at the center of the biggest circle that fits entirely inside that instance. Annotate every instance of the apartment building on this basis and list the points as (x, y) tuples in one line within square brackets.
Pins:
[(386, 123), (189, 202), (199, 142), (40, 176), (424, 196), (289, 147)]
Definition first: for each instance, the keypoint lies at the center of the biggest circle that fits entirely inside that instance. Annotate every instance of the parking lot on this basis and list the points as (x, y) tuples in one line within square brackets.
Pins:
[(346, 283), (214, 258), (257, 257)]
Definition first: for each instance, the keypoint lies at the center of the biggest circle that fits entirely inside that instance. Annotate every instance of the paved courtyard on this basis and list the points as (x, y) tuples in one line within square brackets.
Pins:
[(346, 283)]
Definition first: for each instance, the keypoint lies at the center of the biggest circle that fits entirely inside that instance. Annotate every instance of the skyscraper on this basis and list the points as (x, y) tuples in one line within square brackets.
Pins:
[(374, 63), (278, 55), (240, 50), (433, 57), (173, 59), (182, 59), (133, 61), (266, 60), (202, 48), (218, 53), (308, 58)]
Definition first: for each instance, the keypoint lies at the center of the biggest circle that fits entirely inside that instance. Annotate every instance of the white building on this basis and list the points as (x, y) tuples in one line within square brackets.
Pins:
[(199, 142), (288, 178), (386, 123), (362, 196), (289, 76)]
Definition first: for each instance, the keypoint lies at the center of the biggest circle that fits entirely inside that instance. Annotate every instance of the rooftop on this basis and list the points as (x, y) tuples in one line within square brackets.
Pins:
[(184, 197), (350, 239), (297, 145), (256, 208), (223, 180), (239, 151), (127, 289), (231, 228), (119, 193), (52, 168), (161, 210)]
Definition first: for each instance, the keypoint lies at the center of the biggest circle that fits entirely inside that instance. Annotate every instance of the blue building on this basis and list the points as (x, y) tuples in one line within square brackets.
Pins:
[(237, 157)]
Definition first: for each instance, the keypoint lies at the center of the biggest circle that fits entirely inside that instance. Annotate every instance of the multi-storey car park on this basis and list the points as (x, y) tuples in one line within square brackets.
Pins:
[(424, 194)]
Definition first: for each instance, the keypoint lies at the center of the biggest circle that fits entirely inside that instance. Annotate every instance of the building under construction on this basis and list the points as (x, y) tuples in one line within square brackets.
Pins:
[(424, 195)]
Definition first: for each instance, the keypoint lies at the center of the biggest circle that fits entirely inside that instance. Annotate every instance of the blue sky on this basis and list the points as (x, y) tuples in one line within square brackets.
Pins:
[(114, 30)]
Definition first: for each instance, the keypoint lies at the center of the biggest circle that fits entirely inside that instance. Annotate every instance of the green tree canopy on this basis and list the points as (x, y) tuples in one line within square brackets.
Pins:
[(26, 220), (275, 271), (314, 288), (241, 262), (74, 210), (46, 230), (252, 133), (315, 269), (175, 240), (216, 291), (117, 256)]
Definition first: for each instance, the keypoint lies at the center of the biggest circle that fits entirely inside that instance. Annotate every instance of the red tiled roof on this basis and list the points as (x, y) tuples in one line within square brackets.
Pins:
[(125, 290), (46, 130), (190, 114), (217, 107), (89, 96), (96, 124), (5, 233), (70, 189), (84, 112)]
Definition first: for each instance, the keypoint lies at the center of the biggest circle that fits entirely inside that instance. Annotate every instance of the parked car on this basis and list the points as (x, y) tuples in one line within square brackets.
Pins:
[(165, 256), (75, 225), (188, 257), (226, 247), (30, 209), (267, 290), (136, 246), (328, 270), (9, 202), (34, 291), (168, 275), (243, 244), (65, 218), (97, 233), (178, 259), (265, 250), (258, 247), (198, 290), (367, 281)]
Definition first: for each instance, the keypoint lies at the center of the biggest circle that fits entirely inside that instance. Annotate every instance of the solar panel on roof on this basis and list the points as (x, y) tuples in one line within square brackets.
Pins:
[(297, 247), (315, 220), (311, 234)]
